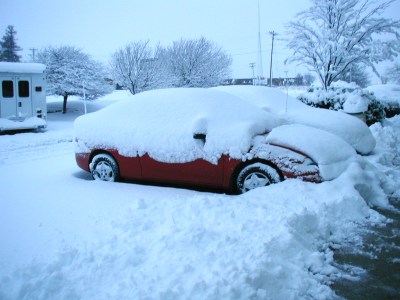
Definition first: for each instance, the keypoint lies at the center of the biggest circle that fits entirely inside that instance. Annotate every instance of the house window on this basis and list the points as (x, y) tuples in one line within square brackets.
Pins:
[(8, 88), (23, 88)]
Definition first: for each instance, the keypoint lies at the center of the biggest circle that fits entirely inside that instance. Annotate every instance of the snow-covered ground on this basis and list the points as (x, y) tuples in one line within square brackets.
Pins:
[(64, 236)]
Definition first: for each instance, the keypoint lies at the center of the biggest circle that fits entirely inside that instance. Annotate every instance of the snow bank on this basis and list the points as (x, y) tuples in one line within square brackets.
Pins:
[(158, 243), (31, 68), (386, 156), (386, 93), (319, 145), (29, 123), (349, 128), (162, 123)]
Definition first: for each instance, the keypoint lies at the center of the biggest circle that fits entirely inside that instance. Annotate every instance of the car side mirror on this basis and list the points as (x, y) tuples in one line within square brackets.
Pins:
[(200, 136)]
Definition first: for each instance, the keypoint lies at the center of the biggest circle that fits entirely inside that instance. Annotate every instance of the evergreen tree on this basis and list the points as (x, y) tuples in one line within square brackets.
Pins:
[(9, 46)]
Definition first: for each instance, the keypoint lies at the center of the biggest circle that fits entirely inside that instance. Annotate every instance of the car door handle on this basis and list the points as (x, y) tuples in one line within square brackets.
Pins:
[(19, 104)]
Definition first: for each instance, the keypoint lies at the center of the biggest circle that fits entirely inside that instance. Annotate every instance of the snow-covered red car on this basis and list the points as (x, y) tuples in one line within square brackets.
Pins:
[(203, 137)]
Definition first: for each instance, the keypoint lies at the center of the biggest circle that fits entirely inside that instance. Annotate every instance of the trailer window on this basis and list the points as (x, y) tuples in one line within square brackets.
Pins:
[(8, 88), (23, 88)]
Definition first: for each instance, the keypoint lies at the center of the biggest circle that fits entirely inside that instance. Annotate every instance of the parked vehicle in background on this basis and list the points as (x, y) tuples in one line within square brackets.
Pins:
[(203, 137), (22, 96)]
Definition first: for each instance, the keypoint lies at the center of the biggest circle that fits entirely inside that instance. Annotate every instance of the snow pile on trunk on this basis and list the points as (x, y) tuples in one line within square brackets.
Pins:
[(349, 128), (162, 123)]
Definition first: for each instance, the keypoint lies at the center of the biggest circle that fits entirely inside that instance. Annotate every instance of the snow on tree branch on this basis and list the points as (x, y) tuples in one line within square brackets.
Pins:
[(333, 35), (68, 69)]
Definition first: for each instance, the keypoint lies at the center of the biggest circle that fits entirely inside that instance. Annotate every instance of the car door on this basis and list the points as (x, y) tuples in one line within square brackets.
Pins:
[(198, 172)]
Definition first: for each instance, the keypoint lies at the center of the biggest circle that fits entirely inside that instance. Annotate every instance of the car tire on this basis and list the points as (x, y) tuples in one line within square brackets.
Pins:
[(255, 175), (104, 167)]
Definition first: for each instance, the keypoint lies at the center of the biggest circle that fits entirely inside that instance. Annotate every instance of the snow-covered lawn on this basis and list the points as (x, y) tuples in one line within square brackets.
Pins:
[(64, 236)]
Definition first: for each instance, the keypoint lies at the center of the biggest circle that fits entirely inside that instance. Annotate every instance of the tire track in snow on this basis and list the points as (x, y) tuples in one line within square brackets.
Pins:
[(25, 147)]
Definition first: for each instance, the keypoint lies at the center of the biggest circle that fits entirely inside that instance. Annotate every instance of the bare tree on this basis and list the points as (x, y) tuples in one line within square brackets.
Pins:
[(137, 67), (68, 70), (197, 63), (335, 34)]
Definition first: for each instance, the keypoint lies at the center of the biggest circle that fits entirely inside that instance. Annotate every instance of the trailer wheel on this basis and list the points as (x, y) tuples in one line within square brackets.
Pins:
[(104, 167)]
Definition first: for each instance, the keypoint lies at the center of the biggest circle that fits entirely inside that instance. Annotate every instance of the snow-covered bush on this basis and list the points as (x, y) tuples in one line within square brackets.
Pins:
[(389, 96), (347, 97)]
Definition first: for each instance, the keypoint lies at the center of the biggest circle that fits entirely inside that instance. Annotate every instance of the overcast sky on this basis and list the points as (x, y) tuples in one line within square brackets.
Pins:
[(100, 27)]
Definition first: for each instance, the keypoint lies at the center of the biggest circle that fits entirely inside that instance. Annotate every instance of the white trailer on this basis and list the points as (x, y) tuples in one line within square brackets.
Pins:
[(22, 96)]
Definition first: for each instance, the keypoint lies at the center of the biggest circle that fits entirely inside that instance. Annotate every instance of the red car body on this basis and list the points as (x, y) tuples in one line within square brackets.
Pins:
[(199, 172)]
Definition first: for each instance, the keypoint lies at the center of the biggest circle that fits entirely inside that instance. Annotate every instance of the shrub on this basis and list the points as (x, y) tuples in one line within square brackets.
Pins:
[(335, 97)]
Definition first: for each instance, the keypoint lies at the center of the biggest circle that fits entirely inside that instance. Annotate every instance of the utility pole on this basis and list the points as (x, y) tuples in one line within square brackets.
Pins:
[(287, 90), (273, 34), (33, 53), (259, 57), (252, 65)]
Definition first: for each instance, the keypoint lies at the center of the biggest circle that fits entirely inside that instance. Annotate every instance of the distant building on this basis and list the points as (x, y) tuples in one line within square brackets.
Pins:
[(296, 81)]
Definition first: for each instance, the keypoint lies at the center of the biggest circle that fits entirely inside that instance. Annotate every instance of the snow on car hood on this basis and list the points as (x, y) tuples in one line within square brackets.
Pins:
[(330, 152), (162, 123), (349, 128)]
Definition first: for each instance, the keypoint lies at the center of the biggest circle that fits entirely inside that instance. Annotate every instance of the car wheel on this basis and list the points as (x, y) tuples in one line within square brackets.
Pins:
[(104, 167), (254, 176)]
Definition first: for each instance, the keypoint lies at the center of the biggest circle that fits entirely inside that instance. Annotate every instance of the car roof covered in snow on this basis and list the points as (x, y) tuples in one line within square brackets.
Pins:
[(163, 122), (14, 67)]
